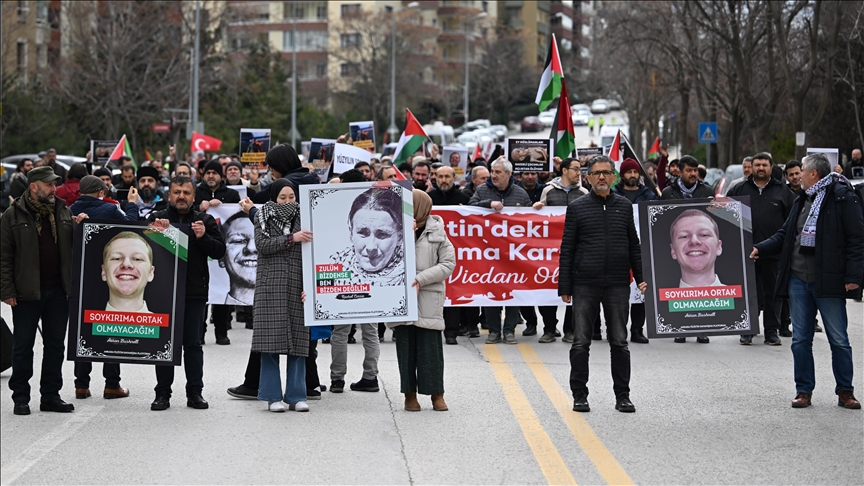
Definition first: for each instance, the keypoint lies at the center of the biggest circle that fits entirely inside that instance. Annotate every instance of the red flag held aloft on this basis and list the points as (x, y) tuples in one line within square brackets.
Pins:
[(205, 143)]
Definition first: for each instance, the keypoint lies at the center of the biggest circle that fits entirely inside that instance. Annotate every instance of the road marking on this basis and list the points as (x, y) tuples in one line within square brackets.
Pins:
[(42, 447), (547, 455), (603, 460)]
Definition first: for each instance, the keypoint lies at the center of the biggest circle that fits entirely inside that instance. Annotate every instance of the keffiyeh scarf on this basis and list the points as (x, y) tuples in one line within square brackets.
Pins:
[(808, 234), (687, 193), (285, 218), (41, 210)]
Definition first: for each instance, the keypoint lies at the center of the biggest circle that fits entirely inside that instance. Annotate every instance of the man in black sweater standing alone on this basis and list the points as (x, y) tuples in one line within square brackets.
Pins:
[(599, 248)]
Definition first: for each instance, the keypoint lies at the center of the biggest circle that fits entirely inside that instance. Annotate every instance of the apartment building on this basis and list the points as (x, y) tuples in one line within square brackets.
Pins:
[(31, 39)]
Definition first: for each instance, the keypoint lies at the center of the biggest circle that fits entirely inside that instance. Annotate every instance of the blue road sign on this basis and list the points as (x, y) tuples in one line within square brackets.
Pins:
[(708, 132)]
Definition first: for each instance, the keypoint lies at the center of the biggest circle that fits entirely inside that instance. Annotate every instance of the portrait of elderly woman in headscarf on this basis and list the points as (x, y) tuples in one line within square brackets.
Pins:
[(377, 247)]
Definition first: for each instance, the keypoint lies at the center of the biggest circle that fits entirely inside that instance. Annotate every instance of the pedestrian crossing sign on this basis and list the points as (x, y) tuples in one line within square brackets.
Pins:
[(708, 132)]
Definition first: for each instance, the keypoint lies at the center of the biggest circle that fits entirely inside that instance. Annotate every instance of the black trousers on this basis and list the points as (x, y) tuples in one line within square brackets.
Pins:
[(458, 317), (193, 353), (253, 369), (769, 305), (585, 309), (637, 319), (110, 371), (549, 313), (221, 319)]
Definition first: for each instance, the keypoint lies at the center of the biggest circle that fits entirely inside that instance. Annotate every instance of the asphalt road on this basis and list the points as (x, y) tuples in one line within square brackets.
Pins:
[(713, 413)]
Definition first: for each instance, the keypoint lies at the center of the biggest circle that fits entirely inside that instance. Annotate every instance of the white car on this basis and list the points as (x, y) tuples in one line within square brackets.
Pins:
[(581, 117), (500, 131), (580, 107), (547, 118), (599, 106)]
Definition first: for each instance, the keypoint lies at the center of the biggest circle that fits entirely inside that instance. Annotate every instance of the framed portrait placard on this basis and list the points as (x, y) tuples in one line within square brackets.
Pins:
[(128, 287), (232, 277), (695, 259), (360, 264)]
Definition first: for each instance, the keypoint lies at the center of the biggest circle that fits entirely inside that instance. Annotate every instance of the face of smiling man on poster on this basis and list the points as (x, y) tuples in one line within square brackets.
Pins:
[(695, 244), (241, 259), (127, 268)]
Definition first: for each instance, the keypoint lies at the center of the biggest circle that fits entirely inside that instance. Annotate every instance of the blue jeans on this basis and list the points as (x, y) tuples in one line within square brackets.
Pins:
[(803, 304), (493, 319), (586, 308), (193, 354), (53, 309), (270, 386)]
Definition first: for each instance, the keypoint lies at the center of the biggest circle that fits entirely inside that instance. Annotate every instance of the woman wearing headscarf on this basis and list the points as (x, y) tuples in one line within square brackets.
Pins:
[(418, 344), (279, 327)]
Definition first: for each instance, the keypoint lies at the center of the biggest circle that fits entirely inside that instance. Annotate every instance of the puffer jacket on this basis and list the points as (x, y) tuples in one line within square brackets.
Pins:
[(642, 194), (69, 192), (100, 209), (436, 260), (600, 244), (486, 194), (557, 194)]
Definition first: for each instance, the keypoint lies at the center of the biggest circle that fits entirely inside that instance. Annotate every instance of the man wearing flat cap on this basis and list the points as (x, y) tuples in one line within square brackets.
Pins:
[(35, 280), (150, 198)]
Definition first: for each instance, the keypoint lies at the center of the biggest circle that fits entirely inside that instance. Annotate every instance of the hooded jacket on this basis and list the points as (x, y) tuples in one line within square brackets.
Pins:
[(223, 193), (101, 209)]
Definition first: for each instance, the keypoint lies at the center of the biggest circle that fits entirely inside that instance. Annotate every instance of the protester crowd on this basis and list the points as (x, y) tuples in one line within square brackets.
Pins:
[(808, 232)]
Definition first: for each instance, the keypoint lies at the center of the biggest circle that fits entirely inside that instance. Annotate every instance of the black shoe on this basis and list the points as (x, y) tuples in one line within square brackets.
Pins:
[(680, 340), (196, 401), (785, 332), (352, 340), (313, 394), (202, 340), (325, 341), (817, 327), (162, 402), (250, 325), (638, 337), (624, 404), (745, 340), (56, 405), (772, 339), (463, 331), (580, 403), (557, 333), (244, 392), (530, 331), (597, 337), (450, 340), (473, 333), (483, 325), (703, 340), (21, 408), (337, 386), (223, 341), (366, 385)]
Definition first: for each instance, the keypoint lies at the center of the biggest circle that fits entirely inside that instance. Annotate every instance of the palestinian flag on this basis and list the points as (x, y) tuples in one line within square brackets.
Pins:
[(550, 82), (562, 128), (147, 156), (615, 153), (654, 151), (123, 148), (411, 140), (477, 152)]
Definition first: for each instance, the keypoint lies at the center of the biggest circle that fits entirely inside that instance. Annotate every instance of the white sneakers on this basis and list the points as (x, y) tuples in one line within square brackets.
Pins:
[(299, 407), (276, 406)]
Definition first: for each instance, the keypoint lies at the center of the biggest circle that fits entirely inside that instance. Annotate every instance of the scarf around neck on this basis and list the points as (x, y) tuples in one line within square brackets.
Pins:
[(808, 234), (687, 193), (284, 218), (41, 210)]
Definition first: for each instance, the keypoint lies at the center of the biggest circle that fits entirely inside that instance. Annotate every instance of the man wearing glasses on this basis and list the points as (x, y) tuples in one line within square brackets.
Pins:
[(599, 249)]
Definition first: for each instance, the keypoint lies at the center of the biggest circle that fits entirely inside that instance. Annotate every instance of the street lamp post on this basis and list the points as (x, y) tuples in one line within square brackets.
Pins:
[(393, 131), (467, 61)]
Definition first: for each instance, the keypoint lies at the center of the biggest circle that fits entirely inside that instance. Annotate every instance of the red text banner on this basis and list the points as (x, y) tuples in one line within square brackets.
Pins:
[(505, 258), (131, 318)]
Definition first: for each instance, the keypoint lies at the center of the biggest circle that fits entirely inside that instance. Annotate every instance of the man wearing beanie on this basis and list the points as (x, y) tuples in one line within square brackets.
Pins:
[(150, 198), (105, 175), (284, 162), (632, 188), (234, 176)]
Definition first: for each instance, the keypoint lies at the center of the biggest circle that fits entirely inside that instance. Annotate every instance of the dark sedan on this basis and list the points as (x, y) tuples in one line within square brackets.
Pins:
[(531, 124)]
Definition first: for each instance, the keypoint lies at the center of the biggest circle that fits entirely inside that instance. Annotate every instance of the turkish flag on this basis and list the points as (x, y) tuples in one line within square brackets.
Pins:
[(205, 143)]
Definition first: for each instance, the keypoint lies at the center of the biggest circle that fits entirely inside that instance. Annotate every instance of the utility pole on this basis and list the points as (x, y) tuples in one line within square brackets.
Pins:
[(294, 133), (196, 61), (393, 131)]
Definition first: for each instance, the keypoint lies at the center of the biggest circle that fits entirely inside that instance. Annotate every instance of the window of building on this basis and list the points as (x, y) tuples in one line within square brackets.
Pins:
[(351, 9), (41, 11), (22, 60), (347, 41), (485, 6), (348, 69), (42, 56), (322, 12), (321, 70), (307, 40), (23, 11)]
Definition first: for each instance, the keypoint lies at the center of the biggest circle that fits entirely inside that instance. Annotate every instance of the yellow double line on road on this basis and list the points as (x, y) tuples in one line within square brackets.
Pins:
[(549, 459)]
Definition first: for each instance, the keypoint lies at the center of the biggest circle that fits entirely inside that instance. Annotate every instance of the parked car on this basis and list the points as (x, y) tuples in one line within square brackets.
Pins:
[(547, 118), (580, 107), (613, 103), (599, 106), (581, 117), (530, 124), (713, 173), (722, 185), (500, 131)]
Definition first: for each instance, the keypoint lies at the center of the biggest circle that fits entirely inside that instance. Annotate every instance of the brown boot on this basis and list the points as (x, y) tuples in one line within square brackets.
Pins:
[(846, 399), (438, 403), (411, 403)]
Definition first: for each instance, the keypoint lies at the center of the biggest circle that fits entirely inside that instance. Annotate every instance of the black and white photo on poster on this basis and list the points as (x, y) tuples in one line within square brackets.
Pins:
[(232, 277), (695, 261), (128, 282), (360, 264), (530, 155)]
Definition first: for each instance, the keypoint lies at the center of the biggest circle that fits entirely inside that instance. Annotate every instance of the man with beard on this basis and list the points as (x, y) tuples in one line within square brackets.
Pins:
[(855, 161), (51, 160), (632, 188), (234, 173), (18, 185), (531, 186), (150, 199), (456, 319), (206, 242), (366, 169), (770, 203), (212, 192), (792, 171), (420, 176), (688, 187), (35, 280)]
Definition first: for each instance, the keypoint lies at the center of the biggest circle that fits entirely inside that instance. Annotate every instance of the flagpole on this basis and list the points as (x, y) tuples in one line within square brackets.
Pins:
[(648, 180)]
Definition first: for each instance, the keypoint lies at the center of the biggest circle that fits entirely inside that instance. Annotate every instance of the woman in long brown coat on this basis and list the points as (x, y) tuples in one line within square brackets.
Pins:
[(279, 326)]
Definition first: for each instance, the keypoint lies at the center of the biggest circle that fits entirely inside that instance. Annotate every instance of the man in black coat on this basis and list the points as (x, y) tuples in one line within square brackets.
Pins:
[(599, 249), (687, 186), (206, 243), (821, 248), (770, 203)]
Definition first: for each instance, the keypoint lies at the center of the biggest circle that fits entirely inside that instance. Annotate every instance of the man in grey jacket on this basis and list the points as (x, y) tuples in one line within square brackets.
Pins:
[(499, 191)]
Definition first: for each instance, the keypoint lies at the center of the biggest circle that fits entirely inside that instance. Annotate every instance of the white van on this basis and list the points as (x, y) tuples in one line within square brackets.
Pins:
[(440, 133), (608, 132)]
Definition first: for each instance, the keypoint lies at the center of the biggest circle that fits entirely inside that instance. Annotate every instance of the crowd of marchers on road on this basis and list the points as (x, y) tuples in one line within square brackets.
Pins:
[(807, 226)]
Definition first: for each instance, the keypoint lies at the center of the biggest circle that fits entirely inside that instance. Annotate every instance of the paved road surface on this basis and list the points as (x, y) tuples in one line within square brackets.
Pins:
[(706, 414)]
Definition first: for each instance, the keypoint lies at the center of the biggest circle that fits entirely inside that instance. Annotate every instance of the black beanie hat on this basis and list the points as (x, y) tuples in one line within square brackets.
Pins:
[(214, 166), (234, 163), (283, 158), (102, 171), (147, 171)]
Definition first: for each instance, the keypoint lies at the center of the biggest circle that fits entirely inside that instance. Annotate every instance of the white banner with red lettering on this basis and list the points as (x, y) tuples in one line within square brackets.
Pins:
[(505, 258)]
